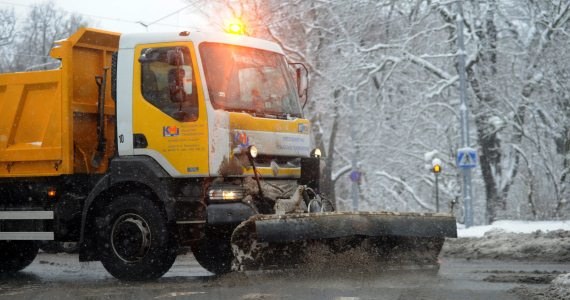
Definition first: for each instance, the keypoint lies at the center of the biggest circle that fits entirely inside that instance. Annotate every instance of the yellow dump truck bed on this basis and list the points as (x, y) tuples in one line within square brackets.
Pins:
[(48, 119)]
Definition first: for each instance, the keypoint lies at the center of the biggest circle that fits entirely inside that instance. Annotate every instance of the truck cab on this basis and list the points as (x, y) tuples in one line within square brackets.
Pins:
[(192, 101)]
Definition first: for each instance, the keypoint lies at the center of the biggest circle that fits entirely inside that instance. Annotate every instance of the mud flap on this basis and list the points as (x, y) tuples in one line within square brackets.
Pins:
[(272, 241)]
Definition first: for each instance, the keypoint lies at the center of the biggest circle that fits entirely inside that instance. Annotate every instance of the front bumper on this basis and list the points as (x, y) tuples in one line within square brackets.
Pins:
[(228, 213)]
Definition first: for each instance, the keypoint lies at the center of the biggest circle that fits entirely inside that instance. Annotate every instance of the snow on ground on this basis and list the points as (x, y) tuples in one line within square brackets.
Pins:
[(547, 241), (512, 226)]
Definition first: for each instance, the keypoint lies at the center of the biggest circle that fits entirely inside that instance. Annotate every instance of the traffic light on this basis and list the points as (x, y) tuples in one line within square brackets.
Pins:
[(436, 166), (436, 169)]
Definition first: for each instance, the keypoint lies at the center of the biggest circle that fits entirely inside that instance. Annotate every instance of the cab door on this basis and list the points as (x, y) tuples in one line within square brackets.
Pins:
[(169, 113)]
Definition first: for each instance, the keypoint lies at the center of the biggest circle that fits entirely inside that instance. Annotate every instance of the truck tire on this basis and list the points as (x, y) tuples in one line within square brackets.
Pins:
[(214, 252), (136, 243), (16, 255)]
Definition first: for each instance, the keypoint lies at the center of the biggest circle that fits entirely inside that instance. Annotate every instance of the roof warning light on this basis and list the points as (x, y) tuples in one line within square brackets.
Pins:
[(235, 26)]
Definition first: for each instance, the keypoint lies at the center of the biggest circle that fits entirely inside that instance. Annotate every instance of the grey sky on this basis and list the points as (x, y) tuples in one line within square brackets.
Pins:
[(122, 16)]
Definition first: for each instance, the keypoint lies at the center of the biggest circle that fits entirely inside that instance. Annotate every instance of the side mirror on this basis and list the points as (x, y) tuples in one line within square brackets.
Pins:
[(180, 83), (302, 80), (175, 85), (175, 57)]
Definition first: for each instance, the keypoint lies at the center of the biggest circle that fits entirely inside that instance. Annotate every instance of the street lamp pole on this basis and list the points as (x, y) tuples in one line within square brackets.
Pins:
[(436, 192), (436, 167)]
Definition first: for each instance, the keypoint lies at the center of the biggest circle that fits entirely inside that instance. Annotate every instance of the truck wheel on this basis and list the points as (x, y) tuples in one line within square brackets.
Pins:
[(136, 243), (16, 255), (214, 252)]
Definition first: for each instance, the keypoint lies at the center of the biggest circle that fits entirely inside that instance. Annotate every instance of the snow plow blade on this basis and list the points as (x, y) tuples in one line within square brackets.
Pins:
[(267, 241), (335, 225)]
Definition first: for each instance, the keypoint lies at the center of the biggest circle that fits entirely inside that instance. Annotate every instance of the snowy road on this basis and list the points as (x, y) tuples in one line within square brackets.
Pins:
[(62, 277)]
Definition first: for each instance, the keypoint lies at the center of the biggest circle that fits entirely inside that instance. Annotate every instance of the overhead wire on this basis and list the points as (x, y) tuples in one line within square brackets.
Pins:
[(166, 16)]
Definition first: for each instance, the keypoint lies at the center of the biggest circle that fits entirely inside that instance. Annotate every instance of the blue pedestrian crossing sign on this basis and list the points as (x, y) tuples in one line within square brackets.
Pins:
[(466, 158)]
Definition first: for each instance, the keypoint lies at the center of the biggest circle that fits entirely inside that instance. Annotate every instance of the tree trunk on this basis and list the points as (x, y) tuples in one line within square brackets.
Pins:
[(490, 160), (327, 183), (565, 149)]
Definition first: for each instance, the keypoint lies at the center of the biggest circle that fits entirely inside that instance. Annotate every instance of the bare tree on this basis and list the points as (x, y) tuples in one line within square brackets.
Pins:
[(7, 25), (7, 32), (44, 24)]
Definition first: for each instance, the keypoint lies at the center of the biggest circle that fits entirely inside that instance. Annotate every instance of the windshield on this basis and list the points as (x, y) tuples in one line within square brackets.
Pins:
[(249, 80)]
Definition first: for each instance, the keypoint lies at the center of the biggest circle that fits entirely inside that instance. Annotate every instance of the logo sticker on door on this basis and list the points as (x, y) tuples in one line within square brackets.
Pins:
[(170, 131)]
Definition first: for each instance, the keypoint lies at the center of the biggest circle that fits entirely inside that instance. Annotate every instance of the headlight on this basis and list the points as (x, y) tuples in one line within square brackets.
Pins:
[(226, 194), (316, 153), (252, 151)]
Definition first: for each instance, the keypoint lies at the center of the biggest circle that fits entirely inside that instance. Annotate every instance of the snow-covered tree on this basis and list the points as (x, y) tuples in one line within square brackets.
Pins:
[(384, 90)]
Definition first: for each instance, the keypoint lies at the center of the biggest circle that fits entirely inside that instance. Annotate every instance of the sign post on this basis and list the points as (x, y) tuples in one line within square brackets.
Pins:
[(464, 114)]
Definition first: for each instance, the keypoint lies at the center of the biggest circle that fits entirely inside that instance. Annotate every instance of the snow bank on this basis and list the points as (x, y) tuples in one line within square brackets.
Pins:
[(518, 240), (498, 244), (513, 227)]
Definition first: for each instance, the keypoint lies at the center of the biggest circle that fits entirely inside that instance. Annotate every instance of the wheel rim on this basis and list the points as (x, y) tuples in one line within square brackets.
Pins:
[(130, 237)]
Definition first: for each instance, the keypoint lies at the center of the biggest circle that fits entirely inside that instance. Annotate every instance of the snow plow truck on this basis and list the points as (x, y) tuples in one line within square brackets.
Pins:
[(139, 145)]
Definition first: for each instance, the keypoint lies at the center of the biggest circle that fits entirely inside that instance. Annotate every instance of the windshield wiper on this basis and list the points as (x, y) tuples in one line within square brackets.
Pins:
[(262, 114), (289, 116), (253, 112), (241, 110)]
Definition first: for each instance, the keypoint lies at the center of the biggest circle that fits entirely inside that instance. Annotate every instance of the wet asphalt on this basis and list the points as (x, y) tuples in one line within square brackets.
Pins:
[(61, 276)]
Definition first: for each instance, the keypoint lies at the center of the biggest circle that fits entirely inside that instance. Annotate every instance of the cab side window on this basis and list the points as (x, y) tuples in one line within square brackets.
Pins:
[(168, 81)]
